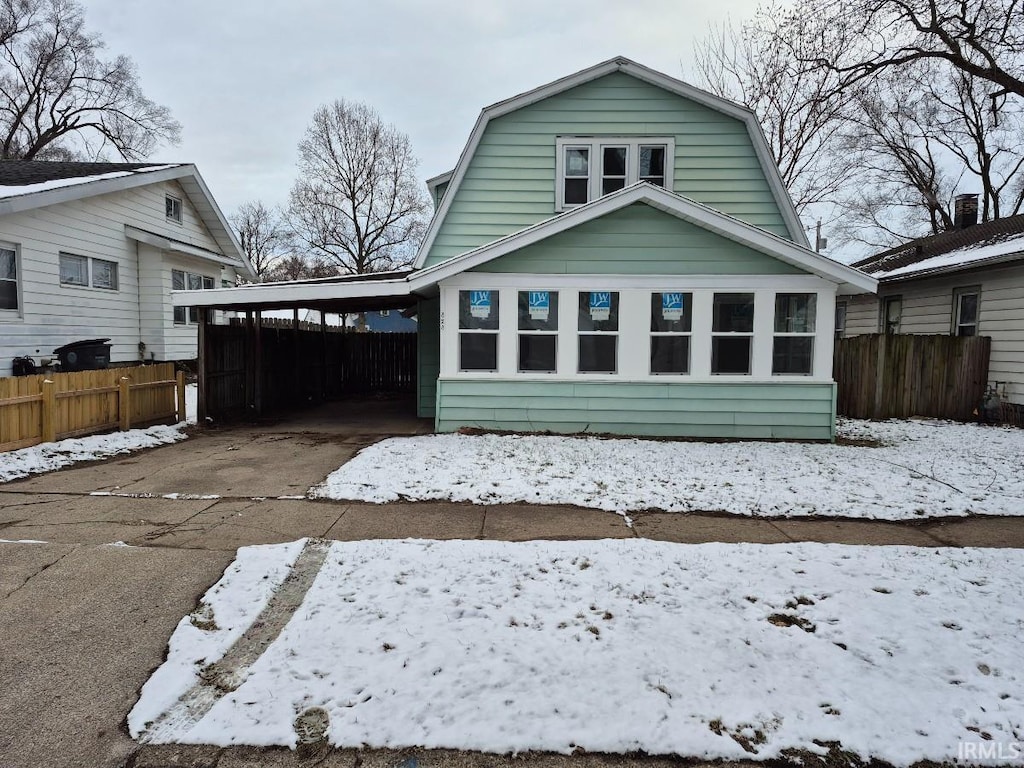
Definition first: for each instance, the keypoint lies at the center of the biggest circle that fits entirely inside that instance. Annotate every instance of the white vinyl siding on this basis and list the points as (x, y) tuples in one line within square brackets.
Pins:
[(52, 314), (928, 308)]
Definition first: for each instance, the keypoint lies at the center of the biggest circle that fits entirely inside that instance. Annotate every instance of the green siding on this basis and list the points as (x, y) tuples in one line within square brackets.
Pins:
[(510, 181), (795, 411), (428, 356), (639, 240)]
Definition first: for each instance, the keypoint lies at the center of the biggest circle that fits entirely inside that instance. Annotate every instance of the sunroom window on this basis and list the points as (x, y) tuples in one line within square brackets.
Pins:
[(478, 330), (538, 331), (793, 349), (598, 331), (732, 333), (671, 325)]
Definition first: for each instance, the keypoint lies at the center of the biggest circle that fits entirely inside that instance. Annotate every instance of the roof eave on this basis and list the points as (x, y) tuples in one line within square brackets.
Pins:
[(993, 261)]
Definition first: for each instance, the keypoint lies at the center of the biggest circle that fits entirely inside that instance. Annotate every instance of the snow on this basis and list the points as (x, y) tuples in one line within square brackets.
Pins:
[(966, 255), (923, 469), (47, 457), (21, 541), (897, 653), (225, 612), (43, 186)]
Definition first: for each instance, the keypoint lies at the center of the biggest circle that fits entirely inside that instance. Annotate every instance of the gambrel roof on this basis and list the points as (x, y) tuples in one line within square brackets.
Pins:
[(629, 67)]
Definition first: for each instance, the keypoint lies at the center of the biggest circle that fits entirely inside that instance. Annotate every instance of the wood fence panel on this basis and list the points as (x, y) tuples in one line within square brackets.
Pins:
[(85, 402), (904, 375)]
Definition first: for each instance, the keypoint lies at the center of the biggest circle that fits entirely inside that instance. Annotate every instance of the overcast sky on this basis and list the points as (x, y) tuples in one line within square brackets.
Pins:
[(244, 76)]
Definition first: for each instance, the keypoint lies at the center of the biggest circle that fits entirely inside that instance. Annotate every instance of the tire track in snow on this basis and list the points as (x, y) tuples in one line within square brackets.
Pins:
[(220, 678)]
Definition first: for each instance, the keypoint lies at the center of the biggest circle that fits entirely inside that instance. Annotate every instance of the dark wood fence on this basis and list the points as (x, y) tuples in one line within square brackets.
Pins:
[(882, 377), (285, 367)]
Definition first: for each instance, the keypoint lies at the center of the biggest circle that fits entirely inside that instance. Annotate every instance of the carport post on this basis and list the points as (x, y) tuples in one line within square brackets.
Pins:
[(257, 385), (248, 360), (323, 356), (203, 353)]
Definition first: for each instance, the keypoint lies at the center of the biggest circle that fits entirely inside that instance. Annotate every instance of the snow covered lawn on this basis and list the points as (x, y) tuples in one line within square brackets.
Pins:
[(708, 651), (923, 469), (46, 457)]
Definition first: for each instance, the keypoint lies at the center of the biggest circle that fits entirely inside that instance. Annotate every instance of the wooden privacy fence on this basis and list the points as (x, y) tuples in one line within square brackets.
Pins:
[(897, 376), (283, 367), (44, 408)]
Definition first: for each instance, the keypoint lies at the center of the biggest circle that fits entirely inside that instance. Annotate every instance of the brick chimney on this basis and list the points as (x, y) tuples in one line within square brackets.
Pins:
[(965, 211)]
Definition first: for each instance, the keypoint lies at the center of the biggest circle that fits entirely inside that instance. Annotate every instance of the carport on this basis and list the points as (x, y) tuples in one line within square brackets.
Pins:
[(249, 366)]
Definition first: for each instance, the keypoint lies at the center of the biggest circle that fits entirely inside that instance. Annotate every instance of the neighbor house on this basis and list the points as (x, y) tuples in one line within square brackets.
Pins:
[(615, 252), (965, 282), (93, 250)]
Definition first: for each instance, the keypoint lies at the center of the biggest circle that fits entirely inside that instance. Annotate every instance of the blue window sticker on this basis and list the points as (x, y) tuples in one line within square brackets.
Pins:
[(480, 304), (540, 305), (600, 305), (672, 306)]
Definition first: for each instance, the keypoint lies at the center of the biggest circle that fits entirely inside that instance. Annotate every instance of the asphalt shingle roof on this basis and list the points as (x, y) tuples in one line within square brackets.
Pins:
[(924, 248), (17, 173)]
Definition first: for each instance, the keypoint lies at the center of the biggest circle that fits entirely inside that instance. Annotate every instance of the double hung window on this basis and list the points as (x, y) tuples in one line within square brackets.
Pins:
[(8, 278), (478, 330), (965, 311), (793, 348), (538, 331), (671, 326), (598, 331), (732, 333)]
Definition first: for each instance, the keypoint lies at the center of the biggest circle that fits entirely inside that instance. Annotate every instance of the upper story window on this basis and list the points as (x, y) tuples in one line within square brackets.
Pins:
[(589, 167), (8, 277), (173, 208)]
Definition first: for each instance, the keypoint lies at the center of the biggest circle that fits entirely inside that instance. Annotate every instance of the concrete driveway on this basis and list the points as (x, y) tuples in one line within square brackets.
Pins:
[(85, 619)]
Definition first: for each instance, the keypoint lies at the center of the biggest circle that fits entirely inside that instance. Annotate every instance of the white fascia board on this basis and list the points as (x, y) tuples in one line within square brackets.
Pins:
[(176, 246), (671, 84), (671, 203), (205, 203), (441, 178), (276, 293)]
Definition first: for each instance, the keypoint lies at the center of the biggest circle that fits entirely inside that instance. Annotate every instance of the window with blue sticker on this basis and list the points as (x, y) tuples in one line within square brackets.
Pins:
[(478, 330), (538, 331), (671, 325), (598, 331)]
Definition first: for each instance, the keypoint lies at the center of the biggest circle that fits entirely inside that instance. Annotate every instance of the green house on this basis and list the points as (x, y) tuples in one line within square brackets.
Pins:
[(615, 252)]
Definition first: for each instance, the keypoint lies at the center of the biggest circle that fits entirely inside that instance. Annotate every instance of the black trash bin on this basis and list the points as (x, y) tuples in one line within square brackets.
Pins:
[(87, 355)]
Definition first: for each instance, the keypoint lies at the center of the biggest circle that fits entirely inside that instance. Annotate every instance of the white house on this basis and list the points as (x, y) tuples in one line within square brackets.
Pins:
[(93, 250)]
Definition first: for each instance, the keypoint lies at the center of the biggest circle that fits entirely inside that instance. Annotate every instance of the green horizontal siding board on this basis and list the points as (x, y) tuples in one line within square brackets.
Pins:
[(428, 356), (755, 410), (517, 153), (618, 243)]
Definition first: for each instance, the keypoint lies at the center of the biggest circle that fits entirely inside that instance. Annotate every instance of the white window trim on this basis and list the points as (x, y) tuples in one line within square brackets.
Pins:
[(958, 294), (180, 220), (595, 144), (633, 354), (10, 315)]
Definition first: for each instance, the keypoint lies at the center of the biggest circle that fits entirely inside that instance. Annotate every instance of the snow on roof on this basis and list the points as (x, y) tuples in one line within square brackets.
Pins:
[(961, 257), (16, 190)]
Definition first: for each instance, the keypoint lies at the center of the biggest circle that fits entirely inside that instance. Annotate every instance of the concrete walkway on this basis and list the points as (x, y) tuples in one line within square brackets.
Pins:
[(84, 622)]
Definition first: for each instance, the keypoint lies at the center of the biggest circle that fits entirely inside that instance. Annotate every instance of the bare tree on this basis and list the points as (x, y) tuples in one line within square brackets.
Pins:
[(357, 200), (262, 235), (60, 100), (859, 38), (296, 266), (799, 108), (923, 133)]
